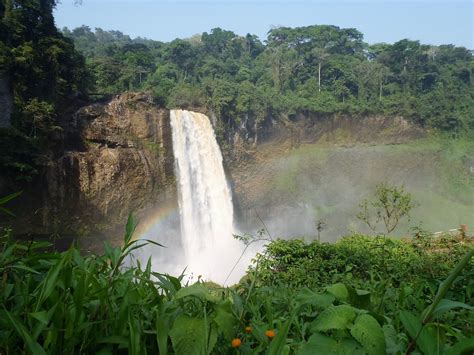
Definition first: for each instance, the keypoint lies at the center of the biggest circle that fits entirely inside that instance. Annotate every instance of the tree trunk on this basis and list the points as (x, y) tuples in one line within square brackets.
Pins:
[(6, 101), (255, 128), (319, 77)]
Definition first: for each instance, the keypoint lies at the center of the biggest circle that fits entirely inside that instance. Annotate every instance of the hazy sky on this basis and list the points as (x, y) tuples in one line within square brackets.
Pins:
[(431, 22)]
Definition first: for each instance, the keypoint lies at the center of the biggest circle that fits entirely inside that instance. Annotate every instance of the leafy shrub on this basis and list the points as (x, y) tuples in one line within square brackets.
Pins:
[(69, 303)]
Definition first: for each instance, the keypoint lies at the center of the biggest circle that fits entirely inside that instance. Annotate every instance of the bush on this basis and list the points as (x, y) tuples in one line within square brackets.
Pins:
[(69, 303)]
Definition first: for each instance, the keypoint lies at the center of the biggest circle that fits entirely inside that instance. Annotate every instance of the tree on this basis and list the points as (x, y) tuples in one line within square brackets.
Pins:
[(217, 41), (321, 54), (44, 72), (390, 205), (183, 54)]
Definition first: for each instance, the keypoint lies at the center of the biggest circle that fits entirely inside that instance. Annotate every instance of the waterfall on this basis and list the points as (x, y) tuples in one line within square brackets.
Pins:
[(205, 200)]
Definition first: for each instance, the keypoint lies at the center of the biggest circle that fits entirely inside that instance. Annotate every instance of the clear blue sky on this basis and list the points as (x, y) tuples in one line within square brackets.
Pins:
[(431, 22)]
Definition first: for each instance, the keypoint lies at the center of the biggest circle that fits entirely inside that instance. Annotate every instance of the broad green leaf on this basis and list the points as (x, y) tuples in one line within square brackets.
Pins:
[(286, 350), (162, 331), (391, 340), (40, 245), (307, 296), (334, 317), (367, 331), (339, 291), (238, 304), (411, 323), (429, 342), (359, 298), (320, 344), (188, 335), (6, 254), (214, 334), (224, 319), (79, 295), (446, 284), (7, 290), (446, 305), (426, 338), (196, 290), (465, 346), (168, 283)]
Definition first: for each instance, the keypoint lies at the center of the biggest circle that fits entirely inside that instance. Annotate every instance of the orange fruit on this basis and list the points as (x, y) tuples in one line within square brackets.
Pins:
[(248, 329), (270, 333), (236, 342)]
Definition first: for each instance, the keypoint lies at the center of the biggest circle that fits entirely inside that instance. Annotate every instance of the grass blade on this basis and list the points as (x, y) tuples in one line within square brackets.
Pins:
[(31, 345)]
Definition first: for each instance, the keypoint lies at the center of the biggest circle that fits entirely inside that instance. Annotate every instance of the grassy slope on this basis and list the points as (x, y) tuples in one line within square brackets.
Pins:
[(317, 181)]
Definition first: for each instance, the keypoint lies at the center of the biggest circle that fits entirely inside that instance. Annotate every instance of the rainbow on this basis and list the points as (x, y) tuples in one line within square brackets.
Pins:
[(154, 222)]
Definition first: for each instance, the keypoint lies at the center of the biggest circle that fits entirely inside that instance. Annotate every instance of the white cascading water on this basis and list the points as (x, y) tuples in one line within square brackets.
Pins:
[(205, 200)]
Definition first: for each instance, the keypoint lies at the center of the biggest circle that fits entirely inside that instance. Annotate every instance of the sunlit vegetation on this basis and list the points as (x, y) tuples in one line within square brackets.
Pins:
[(316, 69), (361, 295)]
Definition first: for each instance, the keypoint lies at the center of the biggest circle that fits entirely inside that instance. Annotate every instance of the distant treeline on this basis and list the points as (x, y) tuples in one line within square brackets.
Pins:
[(313, 69)]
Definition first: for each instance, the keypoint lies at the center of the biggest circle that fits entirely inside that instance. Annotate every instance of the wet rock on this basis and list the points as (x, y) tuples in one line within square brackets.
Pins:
[(118, 159)]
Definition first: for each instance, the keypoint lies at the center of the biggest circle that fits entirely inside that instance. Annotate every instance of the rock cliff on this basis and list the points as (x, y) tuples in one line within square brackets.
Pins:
[(118, 158)]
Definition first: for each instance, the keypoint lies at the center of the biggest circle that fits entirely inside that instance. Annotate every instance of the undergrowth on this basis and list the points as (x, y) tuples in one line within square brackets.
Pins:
[(361, 295)]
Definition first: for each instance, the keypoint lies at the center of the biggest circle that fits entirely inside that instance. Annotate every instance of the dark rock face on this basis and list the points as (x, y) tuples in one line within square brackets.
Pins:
[(319, 168), (6, 103), (118, 159)]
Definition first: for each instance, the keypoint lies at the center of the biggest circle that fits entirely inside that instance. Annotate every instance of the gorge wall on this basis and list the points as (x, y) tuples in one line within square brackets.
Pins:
[(118, 158), (319, 169)]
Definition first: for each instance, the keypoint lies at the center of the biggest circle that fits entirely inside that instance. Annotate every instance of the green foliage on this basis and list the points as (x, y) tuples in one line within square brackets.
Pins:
[(44, 72), (96, 304), (367, 331), (315, 69), (390, 205), (4, 200), (189, 335), (334, 317), (19, 155)]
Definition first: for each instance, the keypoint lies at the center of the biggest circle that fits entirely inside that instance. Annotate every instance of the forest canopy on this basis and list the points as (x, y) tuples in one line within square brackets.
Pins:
[(316, 69)]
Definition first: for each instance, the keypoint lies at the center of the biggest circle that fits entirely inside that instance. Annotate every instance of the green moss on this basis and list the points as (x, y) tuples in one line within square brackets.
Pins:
[(154, 147)]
